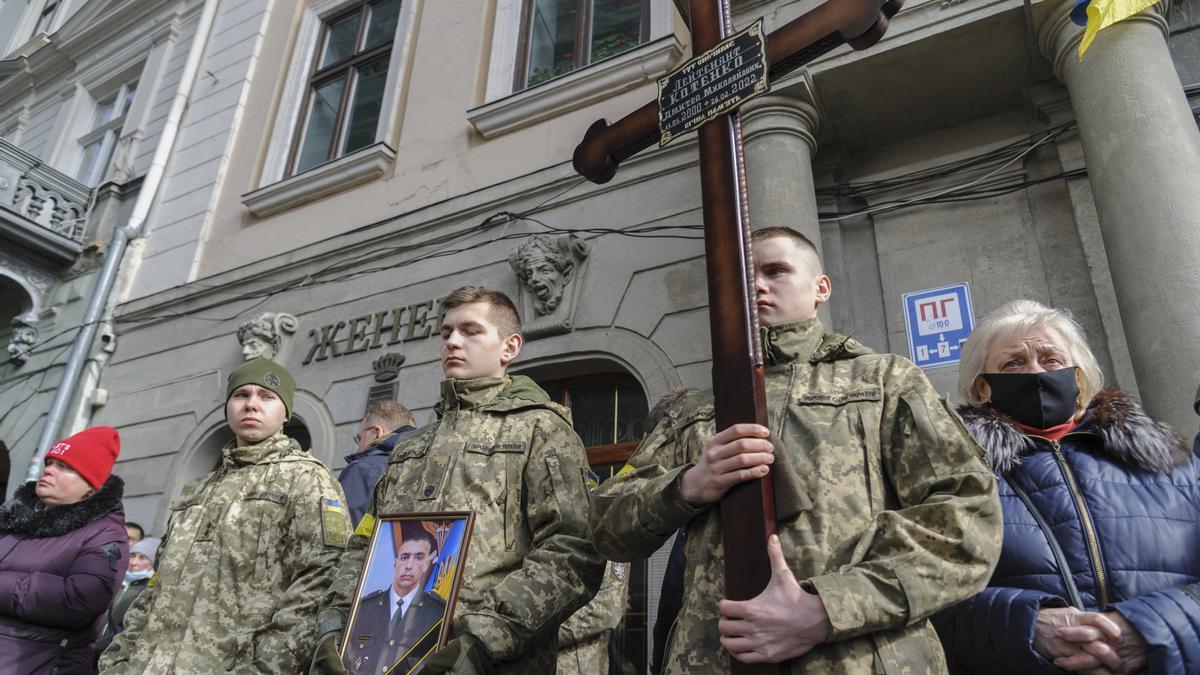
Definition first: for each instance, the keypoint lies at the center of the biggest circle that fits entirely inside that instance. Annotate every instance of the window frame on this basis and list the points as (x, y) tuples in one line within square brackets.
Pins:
[(504, 110), (276, 190), (343, 68), (106, 133), (585, 9)]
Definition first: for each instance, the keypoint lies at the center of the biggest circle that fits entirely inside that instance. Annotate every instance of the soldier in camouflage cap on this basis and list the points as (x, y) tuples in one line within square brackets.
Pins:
[(886, 511), (501, 448), (248, 553), (267, 374)]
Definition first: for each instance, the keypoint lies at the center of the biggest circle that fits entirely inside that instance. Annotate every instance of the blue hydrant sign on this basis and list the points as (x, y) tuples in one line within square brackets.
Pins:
[(938, 322)]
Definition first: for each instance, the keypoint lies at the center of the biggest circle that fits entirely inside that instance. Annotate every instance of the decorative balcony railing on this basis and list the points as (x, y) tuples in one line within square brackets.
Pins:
[(37, 194)]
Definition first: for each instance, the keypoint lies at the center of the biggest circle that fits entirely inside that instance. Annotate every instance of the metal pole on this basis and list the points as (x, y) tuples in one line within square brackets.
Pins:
[(98, 302)]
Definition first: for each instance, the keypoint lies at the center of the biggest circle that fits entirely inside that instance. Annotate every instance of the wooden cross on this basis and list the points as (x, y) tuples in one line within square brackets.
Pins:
[(748, 510)]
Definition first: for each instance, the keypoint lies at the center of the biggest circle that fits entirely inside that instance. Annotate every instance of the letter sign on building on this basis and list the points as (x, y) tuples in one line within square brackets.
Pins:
[(938, 321)]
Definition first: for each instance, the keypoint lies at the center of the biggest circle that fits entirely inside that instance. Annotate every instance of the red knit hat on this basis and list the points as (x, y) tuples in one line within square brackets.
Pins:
[(91, 453)]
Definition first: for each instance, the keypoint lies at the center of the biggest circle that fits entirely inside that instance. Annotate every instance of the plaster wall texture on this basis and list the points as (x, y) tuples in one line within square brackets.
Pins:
[(1036, 243), (196, 170), (439, 155)]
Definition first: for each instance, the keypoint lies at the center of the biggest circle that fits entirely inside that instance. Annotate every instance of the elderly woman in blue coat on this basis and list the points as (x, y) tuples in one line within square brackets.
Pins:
[(1100, 567)]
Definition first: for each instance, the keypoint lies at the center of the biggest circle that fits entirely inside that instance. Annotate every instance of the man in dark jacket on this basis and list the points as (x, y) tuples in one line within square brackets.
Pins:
[(385, 423)]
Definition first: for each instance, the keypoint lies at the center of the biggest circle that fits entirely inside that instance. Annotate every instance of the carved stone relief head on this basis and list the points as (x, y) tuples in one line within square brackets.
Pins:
[(262, 337), (24, 337), (545, 266)]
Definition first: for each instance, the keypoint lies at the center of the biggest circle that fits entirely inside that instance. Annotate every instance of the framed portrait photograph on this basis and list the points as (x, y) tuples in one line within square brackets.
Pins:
[(406, 592)]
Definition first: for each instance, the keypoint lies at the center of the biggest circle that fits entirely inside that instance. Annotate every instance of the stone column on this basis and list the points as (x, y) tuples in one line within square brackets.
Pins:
[(1142, 151), (780, 137)]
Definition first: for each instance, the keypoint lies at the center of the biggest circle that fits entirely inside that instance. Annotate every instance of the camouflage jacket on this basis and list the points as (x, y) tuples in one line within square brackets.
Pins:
[(500, 448), (884, 505), (583, 638), (242, 569)]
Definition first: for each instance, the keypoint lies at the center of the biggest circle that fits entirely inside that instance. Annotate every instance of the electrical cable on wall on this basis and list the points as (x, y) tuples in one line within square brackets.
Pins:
[(995, 160)]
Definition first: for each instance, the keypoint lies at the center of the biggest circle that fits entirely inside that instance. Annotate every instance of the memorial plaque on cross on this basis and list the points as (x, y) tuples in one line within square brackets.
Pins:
[(748, 510)]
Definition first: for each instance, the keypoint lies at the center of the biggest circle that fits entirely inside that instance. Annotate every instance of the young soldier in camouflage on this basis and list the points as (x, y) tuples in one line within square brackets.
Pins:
[(501, 448), (886, 512), (248, 553)]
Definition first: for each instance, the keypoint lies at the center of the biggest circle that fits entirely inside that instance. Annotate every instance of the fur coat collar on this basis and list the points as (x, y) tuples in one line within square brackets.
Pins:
[(1125, 434), (24, 513)]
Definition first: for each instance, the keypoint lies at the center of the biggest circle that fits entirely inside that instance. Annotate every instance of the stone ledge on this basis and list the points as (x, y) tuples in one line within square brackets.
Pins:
[(578, 89), (358, 167)]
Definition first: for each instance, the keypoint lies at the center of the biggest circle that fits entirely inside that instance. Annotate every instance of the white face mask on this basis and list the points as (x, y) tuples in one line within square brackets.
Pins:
[(135, 576)]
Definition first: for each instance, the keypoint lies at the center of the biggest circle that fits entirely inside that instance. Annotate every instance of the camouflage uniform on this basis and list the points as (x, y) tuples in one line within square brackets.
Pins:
[(244, 565), (501, 448), (583, 638), (885, 508)]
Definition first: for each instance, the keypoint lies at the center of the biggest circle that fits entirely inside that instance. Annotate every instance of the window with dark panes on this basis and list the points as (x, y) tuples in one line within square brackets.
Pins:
[(345, 92), (609, 414), (563, 35)]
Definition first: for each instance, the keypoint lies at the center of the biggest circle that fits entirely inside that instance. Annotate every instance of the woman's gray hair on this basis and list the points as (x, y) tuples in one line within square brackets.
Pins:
[(1018, 319)]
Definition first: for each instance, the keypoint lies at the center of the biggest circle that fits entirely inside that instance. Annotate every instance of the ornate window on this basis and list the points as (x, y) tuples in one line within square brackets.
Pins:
[(97, 144), (346, 84), (560, 36)]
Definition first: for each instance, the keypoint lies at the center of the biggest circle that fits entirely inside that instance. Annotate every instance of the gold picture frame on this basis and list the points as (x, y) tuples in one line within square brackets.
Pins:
[(406, 592)]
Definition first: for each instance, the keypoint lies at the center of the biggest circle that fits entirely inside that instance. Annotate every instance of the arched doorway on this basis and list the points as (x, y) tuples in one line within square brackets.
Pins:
[(16, 310), (206, 456)]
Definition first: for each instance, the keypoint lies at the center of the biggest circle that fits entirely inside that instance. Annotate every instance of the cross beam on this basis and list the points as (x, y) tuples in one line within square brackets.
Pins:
[(747, 511), (859, 23)]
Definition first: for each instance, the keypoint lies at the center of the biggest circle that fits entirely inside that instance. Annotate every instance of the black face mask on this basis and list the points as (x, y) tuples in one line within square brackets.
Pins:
[(1038, 400)]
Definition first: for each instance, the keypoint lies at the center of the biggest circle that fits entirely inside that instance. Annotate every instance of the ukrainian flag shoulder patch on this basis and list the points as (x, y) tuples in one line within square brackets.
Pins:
[(335, 523)]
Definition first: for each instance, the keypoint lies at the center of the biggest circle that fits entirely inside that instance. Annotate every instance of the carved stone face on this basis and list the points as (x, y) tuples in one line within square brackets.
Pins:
[(545, 266), (545, 280), (262, 337), (254, 347), (22, 341)]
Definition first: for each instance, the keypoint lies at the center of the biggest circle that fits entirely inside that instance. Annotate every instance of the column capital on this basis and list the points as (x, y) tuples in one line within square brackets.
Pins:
[(781, 114), (1058, 37)]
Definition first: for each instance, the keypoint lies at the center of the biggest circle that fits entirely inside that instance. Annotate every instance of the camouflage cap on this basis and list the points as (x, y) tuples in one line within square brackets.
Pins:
[(264, 373)]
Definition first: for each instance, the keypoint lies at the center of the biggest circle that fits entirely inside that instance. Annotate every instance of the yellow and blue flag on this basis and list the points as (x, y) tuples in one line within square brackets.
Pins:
[(1096, 15)]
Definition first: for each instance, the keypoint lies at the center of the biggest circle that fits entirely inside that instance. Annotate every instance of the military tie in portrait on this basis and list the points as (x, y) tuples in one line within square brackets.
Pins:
[(392, 623)]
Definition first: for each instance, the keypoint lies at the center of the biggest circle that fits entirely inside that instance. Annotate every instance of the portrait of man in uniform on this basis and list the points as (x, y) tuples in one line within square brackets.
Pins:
[(395, 627)]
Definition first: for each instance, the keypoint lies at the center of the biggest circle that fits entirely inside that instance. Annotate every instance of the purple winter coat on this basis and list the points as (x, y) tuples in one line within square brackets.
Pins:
[(59, 570)]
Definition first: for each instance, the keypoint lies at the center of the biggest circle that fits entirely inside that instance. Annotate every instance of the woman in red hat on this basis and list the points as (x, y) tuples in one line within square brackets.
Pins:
[(63, 553)]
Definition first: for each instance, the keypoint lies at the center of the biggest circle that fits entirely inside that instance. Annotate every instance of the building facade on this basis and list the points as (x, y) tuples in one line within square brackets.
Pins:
[(343, 164)]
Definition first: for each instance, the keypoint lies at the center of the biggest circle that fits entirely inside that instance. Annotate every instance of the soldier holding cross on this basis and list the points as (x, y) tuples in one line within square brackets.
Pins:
[(885, 511)]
